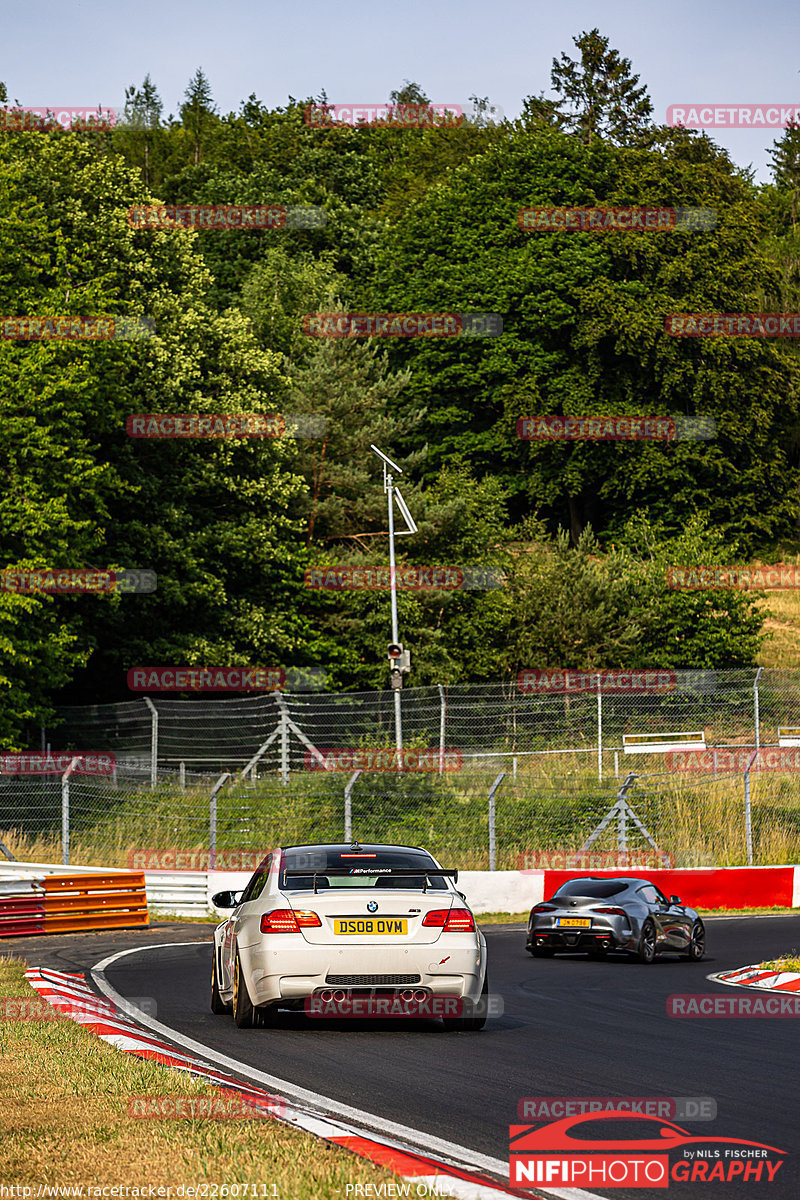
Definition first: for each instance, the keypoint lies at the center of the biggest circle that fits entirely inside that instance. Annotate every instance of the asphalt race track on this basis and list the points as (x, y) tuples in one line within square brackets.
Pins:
[(570, 1027)]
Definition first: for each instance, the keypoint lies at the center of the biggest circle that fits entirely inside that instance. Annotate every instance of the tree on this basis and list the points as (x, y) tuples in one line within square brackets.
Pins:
[(143, 109), (785, 155), (584, 333), (346, 385), (409, 93), (215, 519), (198, 110), (598, 97)]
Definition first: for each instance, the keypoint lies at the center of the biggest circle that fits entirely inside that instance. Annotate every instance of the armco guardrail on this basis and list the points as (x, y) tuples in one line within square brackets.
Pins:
[(179, 893), (70, 903)]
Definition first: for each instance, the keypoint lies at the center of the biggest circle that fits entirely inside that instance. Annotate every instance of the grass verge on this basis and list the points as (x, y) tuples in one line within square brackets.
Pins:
[(64, 1098)]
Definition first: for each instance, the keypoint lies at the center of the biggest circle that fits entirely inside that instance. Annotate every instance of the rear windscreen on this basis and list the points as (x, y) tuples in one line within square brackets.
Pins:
[(320, 860), (599, 889)]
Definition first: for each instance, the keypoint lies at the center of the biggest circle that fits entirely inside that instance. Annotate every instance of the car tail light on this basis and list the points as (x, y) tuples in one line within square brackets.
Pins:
[(612, 912), (287, 920), (544, 908), (451, 920)]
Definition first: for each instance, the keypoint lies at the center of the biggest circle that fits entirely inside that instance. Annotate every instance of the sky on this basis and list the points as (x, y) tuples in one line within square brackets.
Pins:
[(60, 53)]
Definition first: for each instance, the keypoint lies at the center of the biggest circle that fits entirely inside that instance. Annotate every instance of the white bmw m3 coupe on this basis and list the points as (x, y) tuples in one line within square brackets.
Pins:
[(350, 930)]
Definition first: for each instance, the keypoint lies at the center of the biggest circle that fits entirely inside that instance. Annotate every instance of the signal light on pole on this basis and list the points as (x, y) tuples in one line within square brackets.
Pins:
[(399, 659)]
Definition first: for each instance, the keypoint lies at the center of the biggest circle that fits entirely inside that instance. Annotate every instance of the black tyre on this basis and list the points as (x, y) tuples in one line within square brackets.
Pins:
[(218, 1005), (697, 942), (475, 1014), (243, 1012), (646, 950)]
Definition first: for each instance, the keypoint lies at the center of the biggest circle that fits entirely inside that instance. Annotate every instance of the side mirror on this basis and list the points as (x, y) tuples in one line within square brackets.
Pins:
[(225, 899), (674, 899)]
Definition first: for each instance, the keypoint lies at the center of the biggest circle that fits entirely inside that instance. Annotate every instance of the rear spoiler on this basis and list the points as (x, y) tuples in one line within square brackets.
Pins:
[(395, 872)]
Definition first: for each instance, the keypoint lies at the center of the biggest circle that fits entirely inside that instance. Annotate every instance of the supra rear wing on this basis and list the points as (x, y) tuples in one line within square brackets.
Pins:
[(392, 872)]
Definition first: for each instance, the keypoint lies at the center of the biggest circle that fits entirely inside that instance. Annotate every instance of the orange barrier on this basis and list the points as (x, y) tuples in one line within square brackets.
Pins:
[(72, 903)]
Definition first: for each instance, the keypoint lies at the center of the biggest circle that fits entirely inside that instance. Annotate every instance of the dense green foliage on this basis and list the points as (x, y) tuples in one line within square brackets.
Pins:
[(417, 219)]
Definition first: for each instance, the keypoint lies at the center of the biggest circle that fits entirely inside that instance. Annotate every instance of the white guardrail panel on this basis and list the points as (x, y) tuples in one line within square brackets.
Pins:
[(188, 893)]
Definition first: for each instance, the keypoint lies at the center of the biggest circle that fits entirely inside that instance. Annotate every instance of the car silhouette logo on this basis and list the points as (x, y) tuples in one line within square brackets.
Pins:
[(372, 906)]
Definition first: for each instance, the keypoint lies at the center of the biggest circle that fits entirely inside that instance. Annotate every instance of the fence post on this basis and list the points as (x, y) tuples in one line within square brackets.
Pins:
[(153, 741), (441, 727), (65, 812), (182, 775), (212, 820), (599, 731), (756, 713), (348, 806), (748, 827), (748, 816), (284, 736), (492, 842)]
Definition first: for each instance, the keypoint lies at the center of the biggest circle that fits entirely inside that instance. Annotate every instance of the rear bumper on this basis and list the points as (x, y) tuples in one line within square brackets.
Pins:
[(293, 972), (581, 939)]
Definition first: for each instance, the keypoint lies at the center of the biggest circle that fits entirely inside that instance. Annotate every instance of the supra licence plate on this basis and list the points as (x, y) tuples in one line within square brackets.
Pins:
[(373, 925), (575, 922)]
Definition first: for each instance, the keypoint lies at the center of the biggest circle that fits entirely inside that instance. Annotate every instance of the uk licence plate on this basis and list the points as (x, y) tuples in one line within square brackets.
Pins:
[(370, 925), (575, 922)]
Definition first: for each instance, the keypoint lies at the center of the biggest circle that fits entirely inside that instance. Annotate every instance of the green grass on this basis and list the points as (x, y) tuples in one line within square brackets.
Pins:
[(65, 1117)]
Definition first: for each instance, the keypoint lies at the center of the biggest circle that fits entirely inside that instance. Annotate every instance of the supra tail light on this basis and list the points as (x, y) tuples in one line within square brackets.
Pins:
[(288, 920), (451, 920), (544, 908), (612, 912)]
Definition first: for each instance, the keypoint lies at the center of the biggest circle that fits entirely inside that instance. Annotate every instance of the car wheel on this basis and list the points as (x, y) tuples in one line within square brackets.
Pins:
[(475, 1014), (243, 1011), (646, 950), (541, 951), (697, 942), (218, 1005)]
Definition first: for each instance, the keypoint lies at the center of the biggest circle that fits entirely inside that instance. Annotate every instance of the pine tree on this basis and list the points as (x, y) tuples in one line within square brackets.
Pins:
[(600, 95), (143, 109), (197, 110)]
